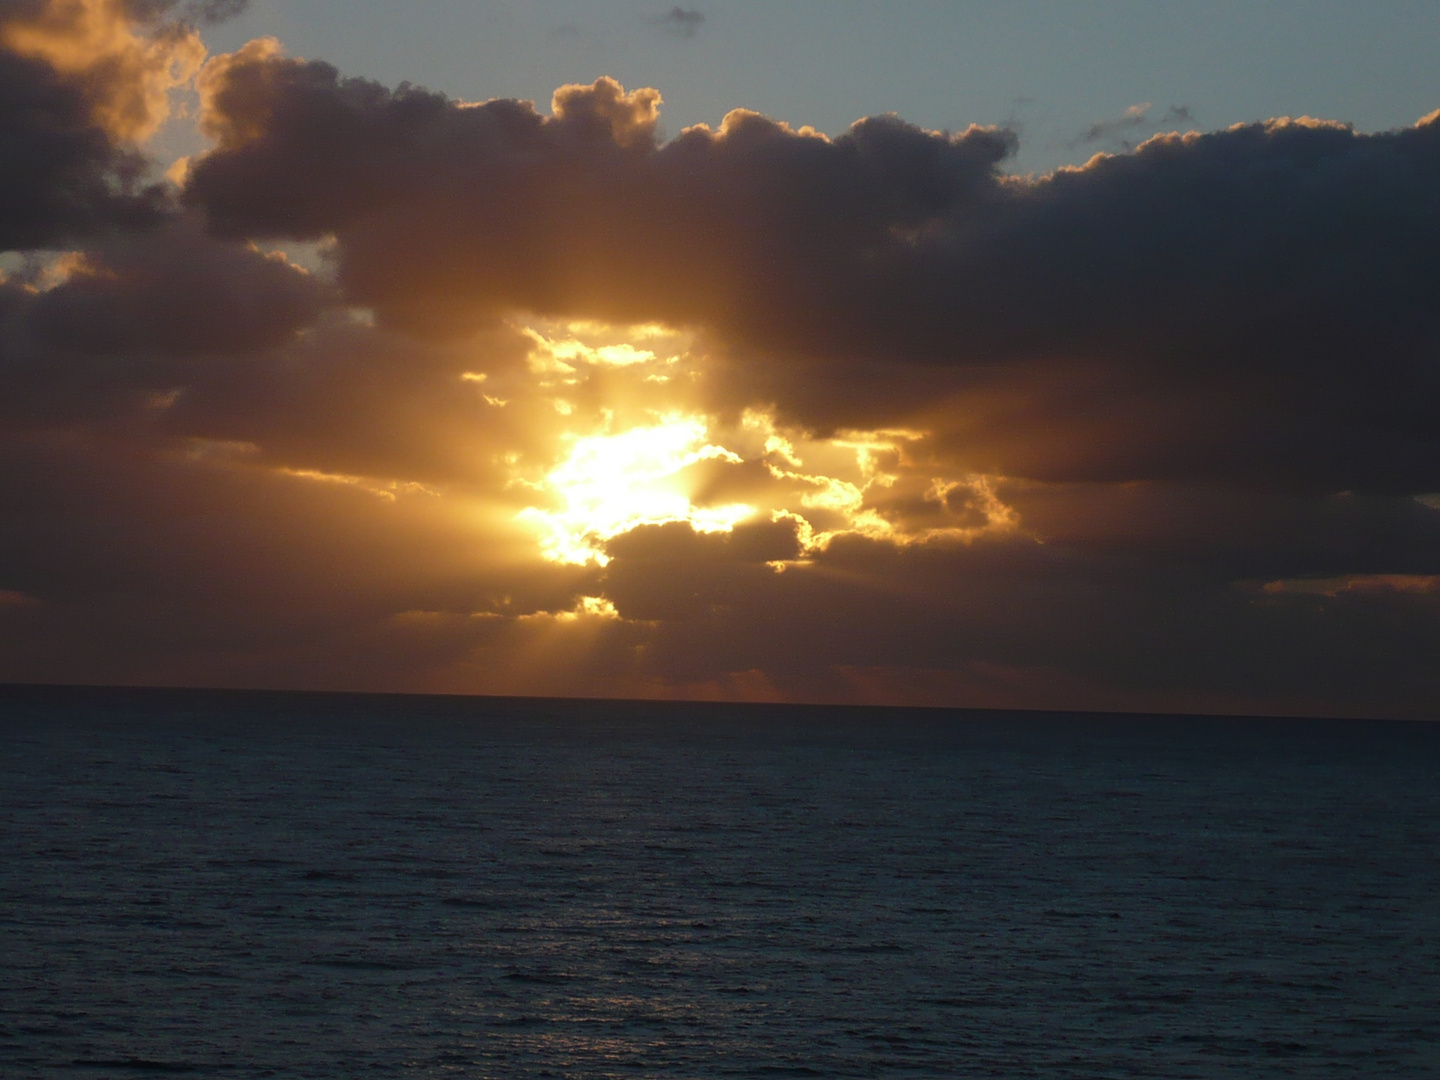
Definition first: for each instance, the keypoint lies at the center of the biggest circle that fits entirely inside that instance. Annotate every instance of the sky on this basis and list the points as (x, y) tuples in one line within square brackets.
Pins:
[(1023, 355)]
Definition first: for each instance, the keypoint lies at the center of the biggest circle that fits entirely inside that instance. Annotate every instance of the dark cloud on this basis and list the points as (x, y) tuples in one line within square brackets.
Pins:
[(175, 294), (679, 22), (495, 206), (134, 568), (122, 68), (80, 84), (1156, 432), (62, 177), (131, 321), (1063, 622), (1257, 302), (175, 569)]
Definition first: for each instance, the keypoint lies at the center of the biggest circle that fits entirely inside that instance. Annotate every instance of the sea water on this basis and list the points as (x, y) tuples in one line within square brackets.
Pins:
[(250, 885)]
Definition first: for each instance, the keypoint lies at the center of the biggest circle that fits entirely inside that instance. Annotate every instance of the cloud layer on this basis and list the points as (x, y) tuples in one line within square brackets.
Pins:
[(400, 392), (1267, 292)]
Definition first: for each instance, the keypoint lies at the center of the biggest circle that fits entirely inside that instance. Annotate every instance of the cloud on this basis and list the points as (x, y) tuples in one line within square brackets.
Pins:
[(404, 393), (1333, 587), (78, 85), (679, 22), (61, 176), (629, 119), (123, 75), (1133, 117), (1251, 303), (720, 202), (173, 293)]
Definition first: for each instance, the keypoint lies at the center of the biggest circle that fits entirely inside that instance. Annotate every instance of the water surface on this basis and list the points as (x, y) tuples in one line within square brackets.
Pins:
[(248, 885)]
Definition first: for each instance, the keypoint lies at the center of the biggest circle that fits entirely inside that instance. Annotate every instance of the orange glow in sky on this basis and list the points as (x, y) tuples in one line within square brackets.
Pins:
[(612, 483)]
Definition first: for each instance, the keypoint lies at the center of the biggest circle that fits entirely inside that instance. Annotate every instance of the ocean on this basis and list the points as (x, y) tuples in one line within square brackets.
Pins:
[(240, 884)]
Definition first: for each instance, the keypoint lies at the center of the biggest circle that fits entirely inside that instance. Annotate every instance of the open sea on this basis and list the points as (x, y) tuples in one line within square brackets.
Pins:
[(243, 885)]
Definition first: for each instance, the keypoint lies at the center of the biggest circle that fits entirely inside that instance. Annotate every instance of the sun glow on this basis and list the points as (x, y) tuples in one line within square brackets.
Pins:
[(625, 439), (612, 483)]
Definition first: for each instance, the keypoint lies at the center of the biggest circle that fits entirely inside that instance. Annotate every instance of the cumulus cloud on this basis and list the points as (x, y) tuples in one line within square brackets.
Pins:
[(77, 83), (123, 74), (535, 197), (1260, 288), (405, 393)]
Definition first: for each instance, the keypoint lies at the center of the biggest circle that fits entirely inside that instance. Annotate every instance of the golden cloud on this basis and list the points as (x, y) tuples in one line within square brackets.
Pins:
[(127, 75)]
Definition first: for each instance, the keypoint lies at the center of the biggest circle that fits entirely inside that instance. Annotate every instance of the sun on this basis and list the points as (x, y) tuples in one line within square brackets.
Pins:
[(612, 483), (628, 439)]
